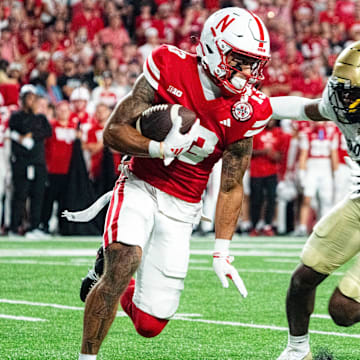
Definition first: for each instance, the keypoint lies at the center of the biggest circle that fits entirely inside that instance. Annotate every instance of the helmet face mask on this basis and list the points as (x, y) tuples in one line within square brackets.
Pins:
[(232, 40), (344, 85)]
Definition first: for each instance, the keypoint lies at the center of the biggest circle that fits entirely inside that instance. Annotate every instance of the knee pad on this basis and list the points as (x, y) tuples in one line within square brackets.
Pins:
[(147, 325)]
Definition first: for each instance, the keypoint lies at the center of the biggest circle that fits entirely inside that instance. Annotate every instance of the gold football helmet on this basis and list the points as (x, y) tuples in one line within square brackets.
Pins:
[(344, 85)]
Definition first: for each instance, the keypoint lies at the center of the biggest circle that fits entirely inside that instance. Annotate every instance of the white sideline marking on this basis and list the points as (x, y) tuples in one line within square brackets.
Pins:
[(268, 327), (251, 240), (56, 306), (254, 252), (179, 316), (59, 263), (199, 268), (75, 262), (23, 318), (320, 316), (272, 271), (290, 261), (183, 317), (92, 252), (52, 239), (77, 308), (237, 245)]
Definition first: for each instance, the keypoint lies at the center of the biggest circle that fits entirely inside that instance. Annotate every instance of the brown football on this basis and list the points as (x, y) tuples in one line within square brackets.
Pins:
[(156, 121)]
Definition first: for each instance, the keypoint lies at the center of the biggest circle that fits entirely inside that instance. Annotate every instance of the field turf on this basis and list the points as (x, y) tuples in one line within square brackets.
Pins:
[(41, 312)]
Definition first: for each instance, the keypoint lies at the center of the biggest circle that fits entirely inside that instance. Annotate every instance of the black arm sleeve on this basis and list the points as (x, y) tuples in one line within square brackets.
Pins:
[(18, 123), (43, 129)]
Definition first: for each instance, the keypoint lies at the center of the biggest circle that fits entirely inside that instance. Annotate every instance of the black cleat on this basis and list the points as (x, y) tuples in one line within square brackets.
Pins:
[(93, 276)]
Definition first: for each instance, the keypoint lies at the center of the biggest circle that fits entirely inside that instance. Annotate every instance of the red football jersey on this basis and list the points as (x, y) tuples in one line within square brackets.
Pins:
[(263, 165), (319, 140), (58, 148), (342, 147), (94, 136), (174, 74)]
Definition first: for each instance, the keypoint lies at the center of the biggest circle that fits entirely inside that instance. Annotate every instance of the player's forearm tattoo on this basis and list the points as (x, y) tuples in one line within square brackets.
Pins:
[(236, 160), (102, 302), (141, 98)]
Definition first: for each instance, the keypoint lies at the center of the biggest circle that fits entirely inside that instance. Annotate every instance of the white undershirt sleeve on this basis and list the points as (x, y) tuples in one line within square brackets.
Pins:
[(290, 107)]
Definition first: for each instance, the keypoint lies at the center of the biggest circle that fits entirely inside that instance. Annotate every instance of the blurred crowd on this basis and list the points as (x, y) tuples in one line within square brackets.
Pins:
[(83, 56)]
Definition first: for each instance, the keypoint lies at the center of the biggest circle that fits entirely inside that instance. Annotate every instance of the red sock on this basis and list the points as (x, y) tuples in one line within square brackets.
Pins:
[(146, 325)]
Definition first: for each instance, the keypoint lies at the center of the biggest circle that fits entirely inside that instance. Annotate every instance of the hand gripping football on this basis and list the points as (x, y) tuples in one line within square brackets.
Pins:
[(156, 121)]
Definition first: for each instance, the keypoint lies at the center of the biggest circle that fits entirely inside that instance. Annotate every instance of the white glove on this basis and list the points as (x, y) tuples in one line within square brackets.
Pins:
[(26, 142), (223, 268), (355, 178), (175, 143)]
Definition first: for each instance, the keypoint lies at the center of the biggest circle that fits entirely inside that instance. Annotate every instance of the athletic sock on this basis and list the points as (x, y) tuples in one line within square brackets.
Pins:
[(300, 343), (87, 357)]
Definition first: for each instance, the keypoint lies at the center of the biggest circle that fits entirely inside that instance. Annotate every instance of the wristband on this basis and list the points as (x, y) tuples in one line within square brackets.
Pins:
[(156, 149), (222, 246)]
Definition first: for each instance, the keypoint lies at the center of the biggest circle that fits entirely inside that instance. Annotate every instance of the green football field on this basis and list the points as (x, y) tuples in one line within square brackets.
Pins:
[(41, 313)]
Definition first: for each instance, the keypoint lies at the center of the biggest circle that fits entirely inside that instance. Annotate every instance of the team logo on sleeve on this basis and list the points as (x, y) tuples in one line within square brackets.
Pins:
[(242, 111)]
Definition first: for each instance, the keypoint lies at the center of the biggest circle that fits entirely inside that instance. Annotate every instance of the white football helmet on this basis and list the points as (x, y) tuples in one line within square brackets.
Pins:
[(241, 33)]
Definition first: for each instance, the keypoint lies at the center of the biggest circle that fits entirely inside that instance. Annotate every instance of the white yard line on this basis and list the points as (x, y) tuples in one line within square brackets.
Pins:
[(271, 271), (182, 317), (194, 240), (290, 261), (51, 263), (194, 268), (252, 252), (268, 327), (22, 318), (284, 246), (92, 252)]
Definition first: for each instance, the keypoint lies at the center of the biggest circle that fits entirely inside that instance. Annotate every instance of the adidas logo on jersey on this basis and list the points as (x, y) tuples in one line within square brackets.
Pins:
[(226, 122)]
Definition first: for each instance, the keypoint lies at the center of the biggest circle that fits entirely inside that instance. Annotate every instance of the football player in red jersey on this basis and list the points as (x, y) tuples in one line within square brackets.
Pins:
[(157, 199)]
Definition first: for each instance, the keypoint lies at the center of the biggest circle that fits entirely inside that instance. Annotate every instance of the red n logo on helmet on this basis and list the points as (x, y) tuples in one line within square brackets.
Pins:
[(225, 23)]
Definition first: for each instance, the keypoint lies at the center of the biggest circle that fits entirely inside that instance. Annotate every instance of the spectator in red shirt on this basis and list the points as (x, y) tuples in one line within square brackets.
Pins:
[(143, 21), (94, 143), (191, 25), (164, 23), (310, 84), (293, 58), (115, 34), (88, 17), (56, 38), (8, 45), (58, 151), (263, 176), (277, 80), (330, 17), (345, 9)]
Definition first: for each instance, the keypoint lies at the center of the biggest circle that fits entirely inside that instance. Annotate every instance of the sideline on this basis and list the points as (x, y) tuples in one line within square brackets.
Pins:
[(188, 317)]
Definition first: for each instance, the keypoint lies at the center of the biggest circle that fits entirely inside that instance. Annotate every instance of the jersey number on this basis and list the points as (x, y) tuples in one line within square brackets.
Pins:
[(353, 147), (201, 148), (181, 54)]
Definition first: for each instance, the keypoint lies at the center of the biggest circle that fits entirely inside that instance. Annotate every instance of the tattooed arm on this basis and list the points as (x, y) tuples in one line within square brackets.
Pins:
[(119, 133), (236, 160)]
